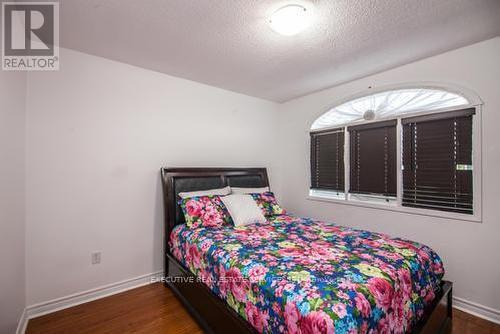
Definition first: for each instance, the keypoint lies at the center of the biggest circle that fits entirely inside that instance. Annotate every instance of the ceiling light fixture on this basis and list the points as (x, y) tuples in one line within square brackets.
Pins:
[(289, 20)]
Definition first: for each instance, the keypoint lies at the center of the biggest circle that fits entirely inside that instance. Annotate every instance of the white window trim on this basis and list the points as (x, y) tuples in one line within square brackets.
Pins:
[(397, 205)]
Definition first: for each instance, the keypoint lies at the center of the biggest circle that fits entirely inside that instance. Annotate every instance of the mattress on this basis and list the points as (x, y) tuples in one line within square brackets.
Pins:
[(298, 275)]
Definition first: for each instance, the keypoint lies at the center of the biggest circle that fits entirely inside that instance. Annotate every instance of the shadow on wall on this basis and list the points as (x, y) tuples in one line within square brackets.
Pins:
[(158, 227)]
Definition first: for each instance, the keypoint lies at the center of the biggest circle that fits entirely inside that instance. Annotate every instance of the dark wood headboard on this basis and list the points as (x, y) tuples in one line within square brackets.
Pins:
[(176, 180)]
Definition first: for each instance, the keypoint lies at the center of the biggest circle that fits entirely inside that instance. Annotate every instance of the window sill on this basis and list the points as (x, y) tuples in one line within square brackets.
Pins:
[(396, 208)]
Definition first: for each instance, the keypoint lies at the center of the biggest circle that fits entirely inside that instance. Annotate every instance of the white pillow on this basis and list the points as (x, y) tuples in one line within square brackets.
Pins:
[(243, 209), (221, 192), (237, 190)]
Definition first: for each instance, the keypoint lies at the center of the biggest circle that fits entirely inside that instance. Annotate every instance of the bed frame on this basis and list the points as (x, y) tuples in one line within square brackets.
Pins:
[(211, 312)]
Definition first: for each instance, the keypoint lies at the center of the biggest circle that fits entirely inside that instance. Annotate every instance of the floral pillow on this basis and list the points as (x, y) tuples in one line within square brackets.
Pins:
[(268, 204), (205, 211)]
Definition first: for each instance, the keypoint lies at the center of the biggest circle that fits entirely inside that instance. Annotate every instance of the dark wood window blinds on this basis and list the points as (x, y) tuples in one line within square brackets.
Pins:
[(437, 161), (373, 158), (327, 160)]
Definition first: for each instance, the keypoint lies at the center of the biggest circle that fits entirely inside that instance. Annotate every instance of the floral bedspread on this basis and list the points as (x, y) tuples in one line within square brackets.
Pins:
[(296, 275)]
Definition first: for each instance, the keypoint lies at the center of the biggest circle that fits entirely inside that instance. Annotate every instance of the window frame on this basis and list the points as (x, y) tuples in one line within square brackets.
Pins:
[(395, 204)]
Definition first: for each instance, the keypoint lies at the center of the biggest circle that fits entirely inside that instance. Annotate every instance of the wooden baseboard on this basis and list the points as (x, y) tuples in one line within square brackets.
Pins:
[(23, 323), (476, 309), (50, 306)]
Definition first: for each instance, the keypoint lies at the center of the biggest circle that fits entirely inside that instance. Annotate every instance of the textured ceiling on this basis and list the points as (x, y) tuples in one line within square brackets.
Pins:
[(228, 43)]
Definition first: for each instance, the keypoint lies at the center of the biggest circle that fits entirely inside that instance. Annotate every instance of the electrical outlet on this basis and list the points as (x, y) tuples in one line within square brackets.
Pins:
[(96, 257)]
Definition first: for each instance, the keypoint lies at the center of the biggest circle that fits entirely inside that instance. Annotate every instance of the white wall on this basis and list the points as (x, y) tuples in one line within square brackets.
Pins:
[(98, 132), (12, 264), (471, 251)]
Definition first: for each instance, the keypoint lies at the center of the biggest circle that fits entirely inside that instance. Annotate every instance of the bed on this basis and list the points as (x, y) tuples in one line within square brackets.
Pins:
[(294, 274)]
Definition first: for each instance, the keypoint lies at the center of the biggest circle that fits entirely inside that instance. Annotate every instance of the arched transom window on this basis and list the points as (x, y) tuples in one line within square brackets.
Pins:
[(389, 104), (410, 148)]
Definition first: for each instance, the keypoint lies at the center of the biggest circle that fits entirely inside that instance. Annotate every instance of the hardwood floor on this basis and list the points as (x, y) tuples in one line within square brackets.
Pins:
[(154, 309), (468, 324), (149, 309)]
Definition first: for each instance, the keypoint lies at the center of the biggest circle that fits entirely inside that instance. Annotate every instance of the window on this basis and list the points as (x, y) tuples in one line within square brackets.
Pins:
[(373, 158), (389, 104), (411, 149), (437, 161), (327, 160)]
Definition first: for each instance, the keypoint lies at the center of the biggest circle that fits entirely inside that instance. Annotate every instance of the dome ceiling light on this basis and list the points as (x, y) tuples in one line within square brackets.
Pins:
[(290, 20)]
